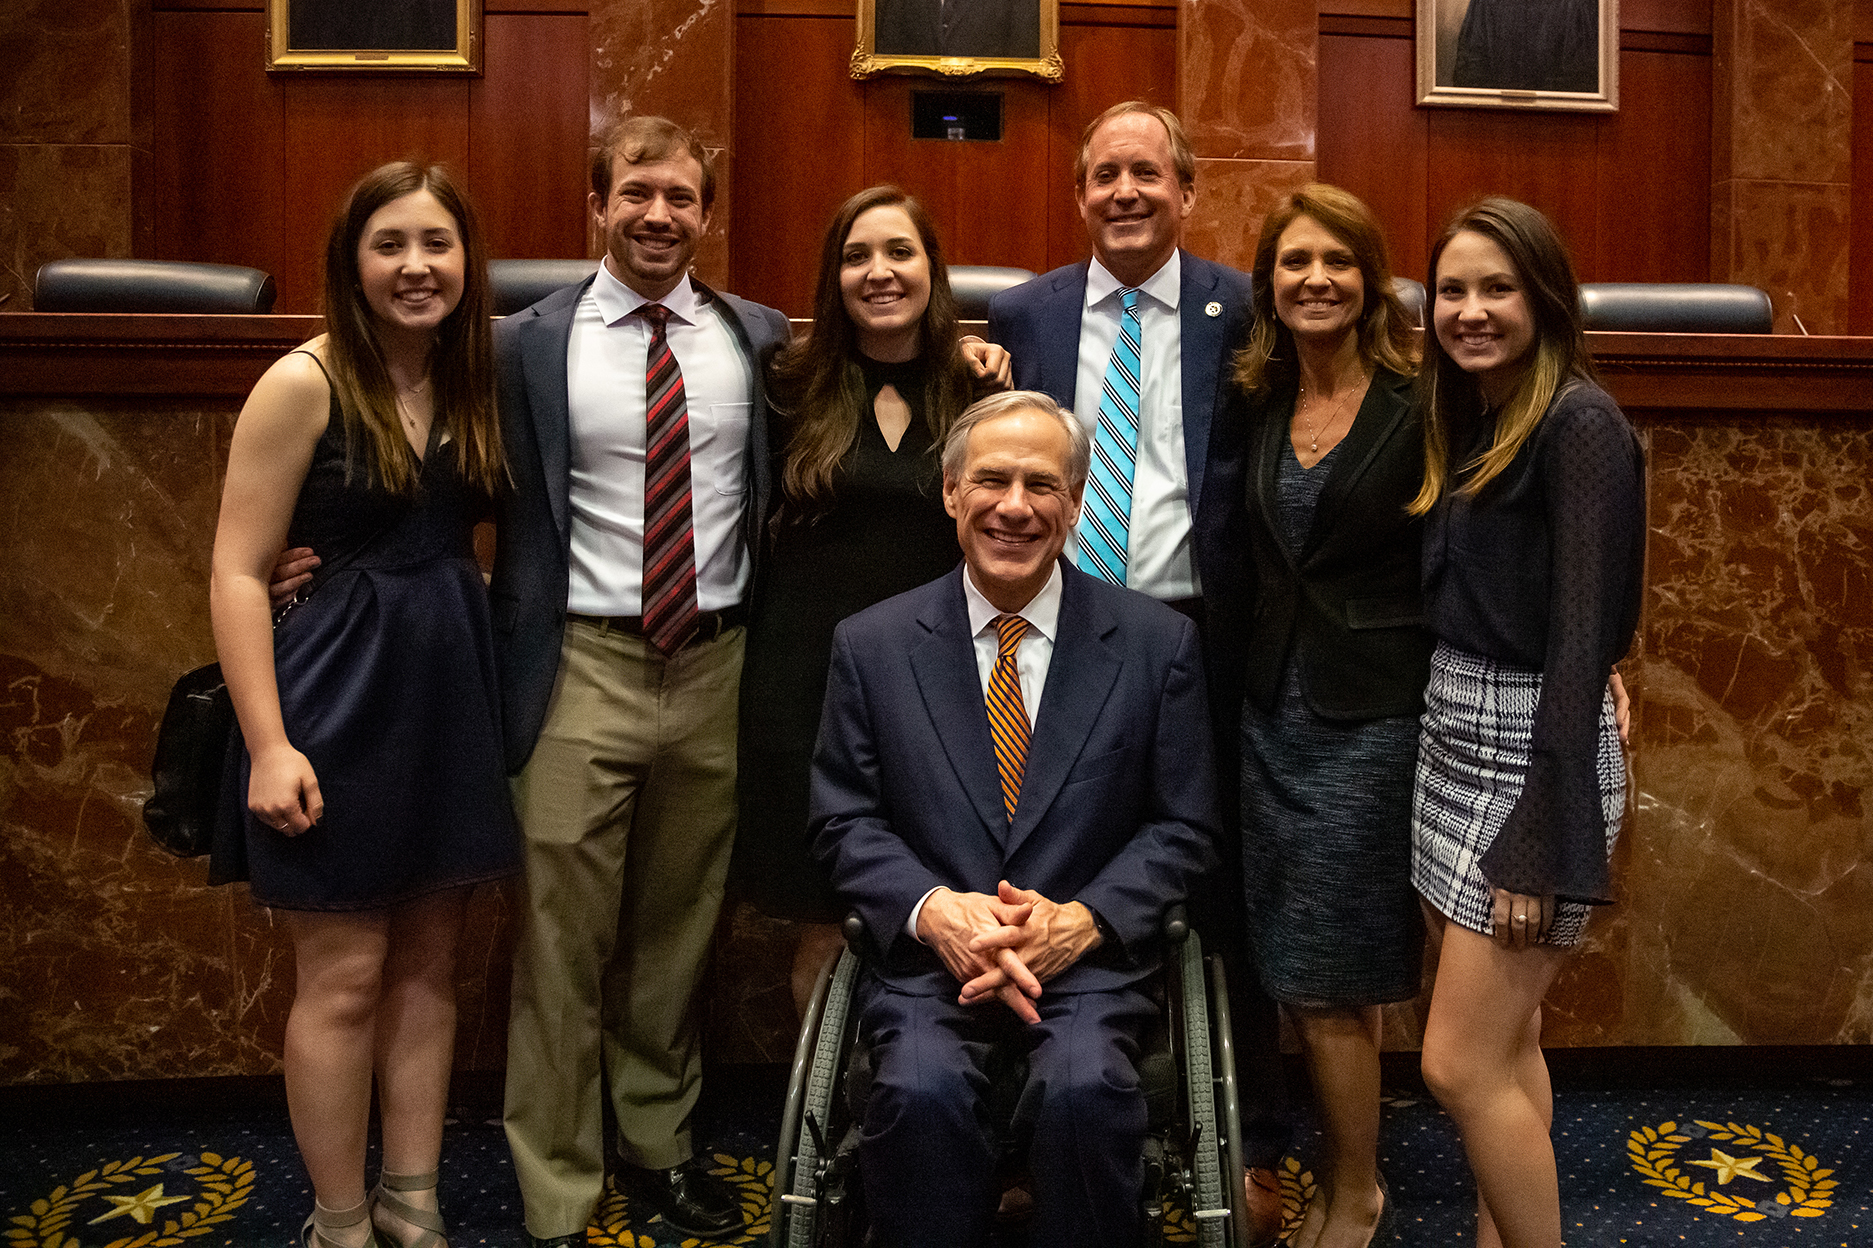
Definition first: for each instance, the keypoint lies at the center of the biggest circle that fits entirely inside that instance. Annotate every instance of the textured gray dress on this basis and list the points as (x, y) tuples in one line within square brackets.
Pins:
[(1326, 829)]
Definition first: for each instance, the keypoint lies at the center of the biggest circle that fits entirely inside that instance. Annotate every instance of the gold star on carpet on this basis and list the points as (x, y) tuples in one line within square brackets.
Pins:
[(144, 1204), (1728, 1167)]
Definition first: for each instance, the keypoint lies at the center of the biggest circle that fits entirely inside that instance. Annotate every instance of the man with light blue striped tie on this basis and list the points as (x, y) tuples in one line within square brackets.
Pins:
[(1138, 341)]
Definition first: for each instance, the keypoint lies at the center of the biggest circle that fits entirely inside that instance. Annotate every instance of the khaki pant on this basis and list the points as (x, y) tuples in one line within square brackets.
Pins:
[(627, 807)]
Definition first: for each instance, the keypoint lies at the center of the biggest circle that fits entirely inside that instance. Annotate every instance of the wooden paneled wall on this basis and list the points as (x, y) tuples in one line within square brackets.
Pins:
[(248, 166), (1631, 191), (807, 136)]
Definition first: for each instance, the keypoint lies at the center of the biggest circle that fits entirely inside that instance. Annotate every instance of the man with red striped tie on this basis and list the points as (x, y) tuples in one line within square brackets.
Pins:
[(1013, 780), (635, 426)]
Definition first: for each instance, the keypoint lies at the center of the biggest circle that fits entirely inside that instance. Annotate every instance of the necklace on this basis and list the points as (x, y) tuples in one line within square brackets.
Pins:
[(1313, 439)]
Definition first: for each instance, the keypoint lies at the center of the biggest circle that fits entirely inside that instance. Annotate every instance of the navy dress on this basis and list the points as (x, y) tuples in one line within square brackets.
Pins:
[(1326, 807), (387, 686)]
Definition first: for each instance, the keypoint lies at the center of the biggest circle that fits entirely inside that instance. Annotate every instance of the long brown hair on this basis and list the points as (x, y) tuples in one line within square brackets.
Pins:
[(461, 366), (1269, 361), (816, 382), (1450, 397)]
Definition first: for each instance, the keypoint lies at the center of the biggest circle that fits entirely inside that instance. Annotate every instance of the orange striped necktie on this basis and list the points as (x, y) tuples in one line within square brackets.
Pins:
[(1008, 717)]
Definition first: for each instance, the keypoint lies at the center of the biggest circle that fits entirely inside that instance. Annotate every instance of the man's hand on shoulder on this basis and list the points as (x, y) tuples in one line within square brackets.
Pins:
[(990, 366)]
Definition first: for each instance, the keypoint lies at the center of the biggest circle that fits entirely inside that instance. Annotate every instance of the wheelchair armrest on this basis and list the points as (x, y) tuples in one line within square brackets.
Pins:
[(854, 928), (1176, 924)]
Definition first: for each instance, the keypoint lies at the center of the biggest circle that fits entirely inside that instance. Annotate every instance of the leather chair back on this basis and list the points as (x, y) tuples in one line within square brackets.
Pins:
[(975, 284), (85, 285), (1675, 308), (521, 283)]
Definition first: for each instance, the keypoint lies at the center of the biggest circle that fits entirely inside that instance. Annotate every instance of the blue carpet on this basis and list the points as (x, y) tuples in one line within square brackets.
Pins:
[(1780, 1163)]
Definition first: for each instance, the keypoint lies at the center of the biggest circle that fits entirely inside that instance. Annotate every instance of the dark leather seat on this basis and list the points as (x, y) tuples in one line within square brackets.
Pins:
[(1410, 292), (83, 285), (519, 284), (975, 284), (1675, 308)]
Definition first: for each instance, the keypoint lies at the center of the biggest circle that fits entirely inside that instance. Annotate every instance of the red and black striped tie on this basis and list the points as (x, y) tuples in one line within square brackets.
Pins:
[(669, 535)]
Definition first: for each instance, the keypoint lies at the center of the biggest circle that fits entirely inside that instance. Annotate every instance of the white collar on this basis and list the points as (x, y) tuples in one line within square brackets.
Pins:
[(1042, 611), (1163, 286), (616, 301)]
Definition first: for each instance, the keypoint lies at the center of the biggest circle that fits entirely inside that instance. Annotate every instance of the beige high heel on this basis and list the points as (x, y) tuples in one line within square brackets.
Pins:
[(433, 1230), (324, 1219)]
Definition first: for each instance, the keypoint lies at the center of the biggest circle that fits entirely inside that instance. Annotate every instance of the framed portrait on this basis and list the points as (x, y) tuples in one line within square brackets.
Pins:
[(441, 36), (1540, 54), (958, 37)]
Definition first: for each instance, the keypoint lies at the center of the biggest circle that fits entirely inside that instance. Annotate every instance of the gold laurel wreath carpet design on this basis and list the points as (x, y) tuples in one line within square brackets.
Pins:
[(1786, 1168)]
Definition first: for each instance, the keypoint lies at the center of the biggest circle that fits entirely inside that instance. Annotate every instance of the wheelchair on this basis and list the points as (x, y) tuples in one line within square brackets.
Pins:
[(1193, 1140)]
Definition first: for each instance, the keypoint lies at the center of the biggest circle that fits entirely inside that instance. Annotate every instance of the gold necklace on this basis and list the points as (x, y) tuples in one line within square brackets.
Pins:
[(1313, 439)]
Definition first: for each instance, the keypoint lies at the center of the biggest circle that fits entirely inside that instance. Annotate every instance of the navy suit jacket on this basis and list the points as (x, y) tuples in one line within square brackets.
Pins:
[(1118, 800), (533, 520), (1039, 323)]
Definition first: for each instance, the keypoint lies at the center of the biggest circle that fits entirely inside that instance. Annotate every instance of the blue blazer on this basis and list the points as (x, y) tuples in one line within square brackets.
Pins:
[(533, 520), (1118, 801), (1039, 323)]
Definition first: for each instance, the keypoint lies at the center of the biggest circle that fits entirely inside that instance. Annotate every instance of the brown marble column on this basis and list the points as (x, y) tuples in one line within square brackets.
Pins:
[(1247, 74), (673, 58), (66, 137), (1781, 154)]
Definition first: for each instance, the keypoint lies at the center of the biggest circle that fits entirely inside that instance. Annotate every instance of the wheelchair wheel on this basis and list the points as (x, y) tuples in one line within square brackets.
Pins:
[(808, 1133), (1210, 1208), (1228, 1104)]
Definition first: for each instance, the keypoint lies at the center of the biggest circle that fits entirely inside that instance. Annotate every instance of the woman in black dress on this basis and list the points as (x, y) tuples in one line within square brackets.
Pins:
[(371, 795), (1533, 571), (862, 403), (1335, 665)]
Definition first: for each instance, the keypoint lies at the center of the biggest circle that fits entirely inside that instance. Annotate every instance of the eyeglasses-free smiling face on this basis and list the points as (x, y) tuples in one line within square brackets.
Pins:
[(1481, 315), (1013, 504), (884, 276), (411, 263), (1318, 287), (1132, 203), (652, 220)]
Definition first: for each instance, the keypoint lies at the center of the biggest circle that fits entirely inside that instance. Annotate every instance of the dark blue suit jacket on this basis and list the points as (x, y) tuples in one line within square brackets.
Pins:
[(1039, 323), (1118, 801), (533, 521)]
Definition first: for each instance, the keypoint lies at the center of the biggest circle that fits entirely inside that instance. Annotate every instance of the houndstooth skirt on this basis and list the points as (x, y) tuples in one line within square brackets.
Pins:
[(1473, 757)]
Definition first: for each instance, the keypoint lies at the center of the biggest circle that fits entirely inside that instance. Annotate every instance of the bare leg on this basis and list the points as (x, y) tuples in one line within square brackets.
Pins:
[(1342, 1049), (818, 942), (416, 1044), (330, 1036), (1481, 1047)]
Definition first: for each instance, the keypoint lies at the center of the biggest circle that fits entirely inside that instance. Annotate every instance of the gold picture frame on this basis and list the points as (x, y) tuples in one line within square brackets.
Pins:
[(960, 39), (1528, 54), (428, 36)]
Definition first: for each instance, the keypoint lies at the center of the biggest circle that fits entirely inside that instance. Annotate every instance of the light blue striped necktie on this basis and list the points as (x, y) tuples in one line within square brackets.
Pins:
[(1107, 512)]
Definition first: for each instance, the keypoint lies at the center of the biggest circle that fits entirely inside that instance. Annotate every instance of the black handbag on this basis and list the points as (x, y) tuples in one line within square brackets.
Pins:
[(191, 754)]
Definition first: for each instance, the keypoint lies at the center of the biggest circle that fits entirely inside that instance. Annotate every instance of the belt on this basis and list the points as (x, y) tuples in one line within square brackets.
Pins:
[(710, 625)]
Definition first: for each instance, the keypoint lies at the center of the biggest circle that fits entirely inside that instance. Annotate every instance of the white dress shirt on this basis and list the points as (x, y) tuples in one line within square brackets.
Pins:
[(1158, 558), (605, 363), (1034, 653)]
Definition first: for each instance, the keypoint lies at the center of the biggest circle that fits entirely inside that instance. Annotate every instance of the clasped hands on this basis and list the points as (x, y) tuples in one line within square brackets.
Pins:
[(1004, 947)]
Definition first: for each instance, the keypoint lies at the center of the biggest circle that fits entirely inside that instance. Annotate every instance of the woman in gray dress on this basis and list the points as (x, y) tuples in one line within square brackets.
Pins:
[(1335, 662)]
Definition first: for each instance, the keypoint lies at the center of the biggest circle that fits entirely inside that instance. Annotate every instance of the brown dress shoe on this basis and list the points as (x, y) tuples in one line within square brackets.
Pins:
[(1261, 1201)]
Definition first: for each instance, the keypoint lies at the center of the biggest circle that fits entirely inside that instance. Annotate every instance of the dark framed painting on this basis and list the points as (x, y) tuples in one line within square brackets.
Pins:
[(440, 36), (1538, 54), (958, 38)]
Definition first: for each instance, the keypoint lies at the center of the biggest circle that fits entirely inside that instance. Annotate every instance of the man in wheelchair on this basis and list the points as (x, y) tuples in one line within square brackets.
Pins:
[(1012, 867)]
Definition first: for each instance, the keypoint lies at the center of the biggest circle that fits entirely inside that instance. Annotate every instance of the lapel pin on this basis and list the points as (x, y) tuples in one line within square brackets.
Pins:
[(1212, 308)]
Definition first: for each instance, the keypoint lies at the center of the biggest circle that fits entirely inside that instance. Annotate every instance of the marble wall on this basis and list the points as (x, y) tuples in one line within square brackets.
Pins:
[(1743, 877), (71, 145), (1782, 155)]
